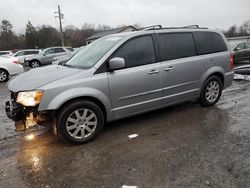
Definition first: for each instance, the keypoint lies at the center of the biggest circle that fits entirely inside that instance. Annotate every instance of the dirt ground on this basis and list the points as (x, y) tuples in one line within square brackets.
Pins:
[(180, 146)]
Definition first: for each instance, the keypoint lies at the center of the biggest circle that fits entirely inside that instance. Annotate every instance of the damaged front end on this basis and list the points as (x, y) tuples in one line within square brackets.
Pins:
[(23, 110)]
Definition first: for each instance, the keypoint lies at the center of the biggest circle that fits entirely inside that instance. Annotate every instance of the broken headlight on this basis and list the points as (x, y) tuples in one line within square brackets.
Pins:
[(29, 98)]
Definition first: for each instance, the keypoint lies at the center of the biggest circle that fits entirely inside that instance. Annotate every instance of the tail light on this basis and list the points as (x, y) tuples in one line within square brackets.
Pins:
[(231, 61), (17, 62)]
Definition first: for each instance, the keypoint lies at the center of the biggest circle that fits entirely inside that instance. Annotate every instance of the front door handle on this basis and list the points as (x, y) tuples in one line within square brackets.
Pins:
[(153, 72), (169, 68)]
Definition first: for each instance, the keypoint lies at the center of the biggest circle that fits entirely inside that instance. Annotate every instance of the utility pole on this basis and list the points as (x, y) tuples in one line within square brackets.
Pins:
[(60, 17)]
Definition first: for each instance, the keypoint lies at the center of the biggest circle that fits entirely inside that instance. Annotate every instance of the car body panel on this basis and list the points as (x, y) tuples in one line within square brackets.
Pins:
[(83, 84), (40, 77), (144, 89), (12, 68)]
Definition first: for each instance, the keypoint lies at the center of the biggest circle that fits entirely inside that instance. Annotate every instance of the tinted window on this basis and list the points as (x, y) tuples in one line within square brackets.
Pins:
[(50, 51), (209, 42), (138, 51), (31, 52), (19, 53), (59, 50), (240, 46), (176, 45), (247, 45), (70, 49)]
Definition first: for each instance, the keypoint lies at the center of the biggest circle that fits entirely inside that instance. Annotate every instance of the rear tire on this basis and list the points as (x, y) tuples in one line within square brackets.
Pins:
[(4, 75), (34, 64), (211, 91), (80, 121)]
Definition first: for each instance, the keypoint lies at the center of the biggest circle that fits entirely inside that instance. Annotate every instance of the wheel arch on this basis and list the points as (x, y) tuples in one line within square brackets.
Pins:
[(214, 71), (88, 98), (4, 69)]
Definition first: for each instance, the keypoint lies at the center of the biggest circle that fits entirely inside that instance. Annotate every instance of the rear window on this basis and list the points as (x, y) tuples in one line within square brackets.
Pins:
[(209, 42), (176, 45)]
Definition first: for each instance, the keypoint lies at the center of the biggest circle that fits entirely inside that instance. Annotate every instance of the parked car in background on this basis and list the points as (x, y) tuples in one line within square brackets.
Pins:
[(121, 75), (46, 56), (9, 67), (65, 58), (6, 53), (61, 59), (23, 54), (241, 53)]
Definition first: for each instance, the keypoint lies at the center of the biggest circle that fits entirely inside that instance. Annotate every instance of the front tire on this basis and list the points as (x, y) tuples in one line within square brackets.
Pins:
[(4, 75), (211, 91), (34, 64), (80, 121)]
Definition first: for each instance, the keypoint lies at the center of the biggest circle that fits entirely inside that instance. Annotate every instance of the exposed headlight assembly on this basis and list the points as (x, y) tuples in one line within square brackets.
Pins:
[(29, 98)]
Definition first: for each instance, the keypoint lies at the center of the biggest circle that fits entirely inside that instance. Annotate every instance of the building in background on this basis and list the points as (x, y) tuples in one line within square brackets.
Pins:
[(233, 41), (109, 32)]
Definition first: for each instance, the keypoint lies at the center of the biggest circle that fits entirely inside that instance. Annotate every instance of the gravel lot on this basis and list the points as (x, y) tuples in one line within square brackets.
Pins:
[(180, 146)]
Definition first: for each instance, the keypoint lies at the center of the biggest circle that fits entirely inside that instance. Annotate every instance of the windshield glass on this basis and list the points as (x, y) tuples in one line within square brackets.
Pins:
[(91, 54)]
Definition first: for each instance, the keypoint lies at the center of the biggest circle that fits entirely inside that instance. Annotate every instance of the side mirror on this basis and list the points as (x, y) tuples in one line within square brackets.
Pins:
[(44, 54), (116, 63)]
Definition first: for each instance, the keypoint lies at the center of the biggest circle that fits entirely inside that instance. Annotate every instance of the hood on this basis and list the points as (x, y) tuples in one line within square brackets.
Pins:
[(38, 77)]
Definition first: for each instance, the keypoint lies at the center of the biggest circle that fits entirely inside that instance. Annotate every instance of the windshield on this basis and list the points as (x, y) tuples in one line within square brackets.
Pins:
[(91, 54)]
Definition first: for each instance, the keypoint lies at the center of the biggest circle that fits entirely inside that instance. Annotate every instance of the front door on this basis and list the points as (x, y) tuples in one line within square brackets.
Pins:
[(136, 88), (48, 56)]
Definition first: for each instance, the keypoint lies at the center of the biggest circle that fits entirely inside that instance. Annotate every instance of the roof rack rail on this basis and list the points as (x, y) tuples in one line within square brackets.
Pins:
[(191, 26), (152, 27), (159, 27)]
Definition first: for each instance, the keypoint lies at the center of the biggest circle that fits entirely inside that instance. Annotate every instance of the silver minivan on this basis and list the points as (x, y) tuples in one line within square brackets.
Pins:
[(122, 75)]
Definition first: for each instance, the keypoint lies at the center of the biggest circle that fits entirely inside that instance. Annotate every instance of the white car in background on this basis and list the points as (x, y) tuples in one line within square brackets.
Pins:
[(23, 54), (9, 67), (6, 53)]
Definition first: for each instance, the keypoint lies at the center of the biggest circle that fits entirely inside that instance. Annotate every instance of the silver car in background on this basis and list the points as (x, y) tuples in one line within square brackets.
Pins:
[(46, 56), (119, 76), (23, 54)]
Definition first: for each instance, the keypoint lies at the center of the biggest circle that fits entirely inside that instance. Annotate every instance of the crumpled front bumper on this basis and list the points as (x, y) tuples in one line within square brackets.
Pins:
[(14, 111), (27, 118)]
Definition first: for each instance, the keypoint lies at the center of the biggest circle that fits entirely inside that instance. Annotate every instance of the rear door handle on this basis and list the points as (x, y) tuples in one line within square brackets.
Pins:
[(153, 72), (169, 68)]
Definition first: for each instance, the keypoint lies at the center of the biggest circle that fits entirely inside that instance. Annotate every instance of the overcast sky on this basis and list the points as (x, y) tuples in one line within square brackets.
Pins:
[(210, 13)]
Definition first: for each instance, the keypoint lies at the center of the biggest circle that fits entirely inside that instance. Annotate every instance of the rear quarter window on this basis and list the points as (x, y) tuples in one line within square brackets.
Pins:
[(209, 42)]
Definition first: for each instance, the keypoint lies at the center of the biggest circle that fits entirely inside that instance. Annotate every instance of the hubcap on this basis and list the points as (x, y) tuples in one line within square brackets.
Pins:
[(35, 64), (81, 123), (3, 76), (212, 91)]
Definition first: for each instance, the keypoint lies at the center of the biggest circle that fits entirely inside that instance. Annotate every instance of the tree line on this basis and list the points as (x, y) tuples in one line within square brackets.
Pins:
[(242, 30), (46, 35)]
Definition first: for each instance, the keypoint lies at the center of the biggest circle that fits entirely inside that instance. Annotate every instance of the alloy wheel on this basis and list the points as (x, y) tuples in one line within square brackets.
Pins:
[(212, 91), (3, 76), (81, 123), (35, 64)]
